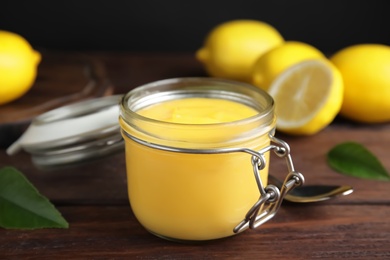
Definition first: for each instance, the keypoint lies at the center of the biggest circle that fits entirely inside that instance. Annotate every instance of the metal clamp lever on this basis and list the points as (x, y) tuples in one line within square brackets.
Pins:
[(270, 197)]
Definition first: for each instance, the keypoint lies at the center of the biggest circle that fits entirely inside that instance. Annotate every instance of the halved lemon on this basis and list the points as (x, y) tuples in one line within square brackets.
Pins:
[(308, 96)]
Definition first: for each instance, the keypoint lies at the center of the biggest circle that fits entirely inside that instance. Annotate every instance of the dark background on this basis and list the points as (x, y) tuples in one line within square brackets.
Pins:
[(181, 25)]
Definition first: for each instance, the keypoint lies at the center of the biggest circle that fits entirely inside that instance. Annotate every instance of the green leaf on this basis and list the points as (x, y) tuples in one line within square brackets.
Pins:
[(22, 206), (355, 160)]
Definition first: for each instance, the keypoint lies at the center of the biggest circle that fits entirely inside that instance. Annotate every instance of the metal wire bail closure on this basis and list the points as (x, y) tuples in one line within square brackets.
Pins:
[(270, 196)]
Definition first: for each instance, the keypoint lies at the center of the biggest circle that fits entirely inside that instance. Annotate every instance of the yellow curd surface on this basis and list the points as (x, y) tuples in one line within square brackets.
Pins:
[(198, 111), (189, 196)]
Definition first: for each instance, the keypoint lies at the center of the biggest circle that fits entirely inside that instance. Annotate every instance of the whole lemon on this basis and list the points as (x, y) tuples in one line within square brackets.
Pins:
[(231, 48), (269, 65), (365, 69), (18, 66)]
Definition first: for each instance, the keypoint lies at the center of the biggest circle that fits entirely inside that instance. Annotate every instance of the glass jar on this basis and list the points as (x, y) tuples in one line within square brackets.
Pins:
[(195, 182)]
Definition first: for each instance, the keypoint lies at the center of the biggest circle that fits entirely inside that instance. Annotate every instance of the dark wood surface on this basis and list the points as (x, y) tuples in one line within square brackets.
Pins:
[(93, 196)]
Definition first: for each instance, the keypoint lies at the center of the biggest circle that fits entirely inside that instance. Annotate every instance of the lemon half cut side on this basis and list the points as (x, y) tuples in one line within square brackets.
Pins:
[(308, 96), (269, 65)]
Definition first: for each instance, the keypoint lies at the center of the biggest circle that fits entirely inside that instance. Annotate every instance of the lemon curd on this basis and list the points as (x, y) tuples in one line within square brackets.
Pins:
[(179, 187), (198, 111)]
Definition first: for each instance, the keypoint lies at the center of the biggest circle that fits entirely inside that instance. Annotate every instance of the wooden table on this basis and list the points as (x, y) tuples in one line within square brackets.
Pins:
[(93, 197)]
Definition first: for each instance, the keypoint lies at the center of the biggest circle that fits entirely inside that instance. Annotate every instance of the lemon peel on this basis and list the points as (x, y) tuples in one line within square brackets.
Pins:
[(365, 69), (18, 66), (231, 48)]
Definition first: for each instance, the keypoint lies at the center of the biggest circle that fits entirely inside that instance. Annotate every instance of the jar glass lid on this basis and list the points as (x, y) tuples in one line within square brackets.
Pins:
[(73, 133)]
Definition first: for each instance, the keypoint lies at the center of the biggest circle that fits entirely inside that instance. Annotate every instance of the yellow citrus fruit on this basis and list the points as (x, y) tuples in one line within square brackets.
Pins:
[(18, 66), (366, 72), (231, 48), (308, 96), (269, 65)]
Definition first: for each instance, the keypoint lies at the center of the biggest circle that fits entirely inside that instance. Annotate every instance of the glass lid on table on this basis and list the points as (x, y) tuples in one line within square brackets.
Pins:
[(73, 134)]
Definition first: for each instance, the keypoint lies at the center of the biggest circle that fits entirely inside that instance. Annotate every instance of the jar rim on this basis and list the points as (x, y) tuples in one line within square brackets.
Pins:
[(247, 94)]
